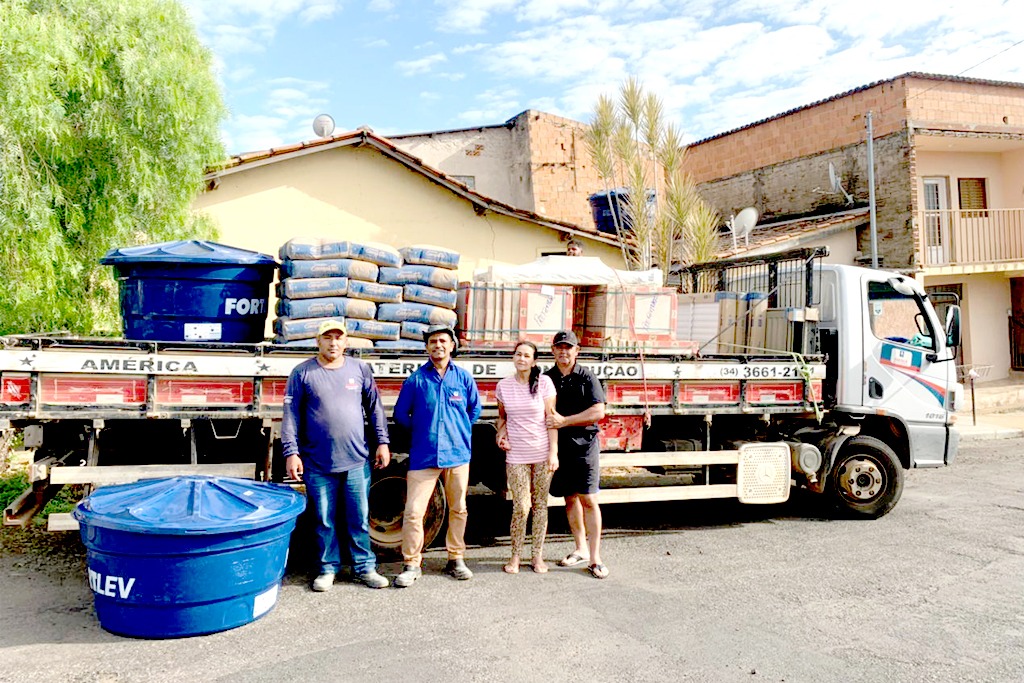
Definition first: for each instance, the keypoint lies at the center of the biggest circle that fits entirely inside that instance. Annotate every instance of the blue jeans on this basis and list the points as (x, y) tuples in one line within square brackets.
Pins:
[(323, 491)]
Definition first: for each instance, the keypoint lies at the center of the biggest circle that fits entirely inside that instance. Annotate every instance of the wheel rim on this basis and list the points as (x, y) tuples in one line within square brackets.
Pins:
[(387, 506), (861, 479)]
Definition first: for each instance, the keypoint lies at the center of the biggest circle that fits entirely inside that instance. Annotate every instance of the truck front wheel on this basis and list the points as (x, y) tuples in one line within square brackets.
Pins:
[(387, 505), (867, 479)]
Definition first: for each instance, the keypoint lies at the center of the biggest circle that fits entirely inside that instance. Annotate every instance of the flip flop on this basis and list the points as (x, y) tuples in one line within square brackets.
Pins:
[(509, 569), (539, 568), (598, 571), (572, 559)]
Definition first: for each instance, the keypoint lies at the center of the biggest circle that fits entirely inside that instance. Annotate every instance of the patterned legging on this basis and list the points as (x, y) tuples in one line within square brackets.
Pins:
[(522, 481)]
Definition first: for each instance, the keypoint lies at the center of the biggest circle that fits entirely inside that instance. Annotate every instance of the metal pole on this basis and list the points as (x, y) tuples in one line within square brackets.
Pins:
[(871, 194)]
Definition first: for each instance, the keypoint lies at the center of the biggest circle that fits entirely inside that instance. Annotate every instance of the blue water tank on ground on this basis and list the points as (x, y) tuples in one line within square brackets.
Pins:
[(192, 290), (186, 555), (610, 206)]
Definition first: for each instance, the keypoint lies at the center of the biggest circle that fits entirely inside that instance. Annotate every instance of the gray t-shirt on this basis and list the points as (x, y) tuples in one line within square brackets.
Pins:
[(324, 412)]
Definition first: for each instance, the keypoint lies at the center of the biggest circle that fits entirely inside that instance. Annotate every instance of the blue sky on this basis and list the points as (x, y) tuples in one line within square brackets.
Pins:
[(413, 66)]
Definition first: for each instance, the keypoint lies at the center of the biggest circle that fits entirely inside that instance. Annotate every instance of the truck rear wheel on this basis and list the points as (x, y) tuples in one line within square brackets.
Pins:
[(867, 478), (387, 505)]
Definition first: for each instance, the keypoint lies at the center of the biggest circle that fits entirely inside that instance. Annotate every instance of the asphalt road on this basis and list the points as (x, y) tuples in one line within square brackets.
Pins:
[(934, 591)]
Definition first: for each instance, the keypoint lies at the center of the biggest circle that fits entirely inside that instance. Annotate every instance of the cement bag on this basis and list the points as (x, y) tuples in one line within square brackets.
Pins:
[(372, 329), (312, 287), (326, 307), (445, 298), (350, 268), (413, 330), (306, 248), (442, 278), (429, 255), (291, 329), (400, 345), (417, 313), (372, 291), (375, 252)]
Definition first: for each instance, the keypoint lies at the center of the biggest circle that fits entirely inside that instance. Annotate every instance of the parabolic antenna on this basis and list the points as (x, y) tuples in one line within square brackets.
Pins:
[(836, 184), (743, 223), (323, 125)]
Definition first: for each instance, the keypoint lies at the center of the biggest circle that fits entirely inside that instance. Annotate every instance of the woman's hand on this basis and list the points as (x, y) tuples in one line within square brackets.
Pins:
[(503, 443), (552, 462)]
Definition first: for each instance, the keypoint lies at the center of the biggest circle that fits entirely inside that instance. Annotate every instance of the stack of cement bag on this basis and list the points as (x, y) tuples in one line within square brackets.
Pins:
[(384, 304), (428, 281)]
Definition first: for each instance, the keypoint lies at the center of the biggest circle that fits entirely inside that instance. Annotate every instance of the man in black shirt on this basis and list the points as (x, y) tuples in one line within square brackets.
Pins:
[(579, 406)]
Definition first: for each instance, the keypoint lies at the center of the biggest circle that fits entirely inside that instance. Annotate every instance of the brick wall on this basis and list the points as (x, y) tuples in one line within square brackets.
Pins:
[(829, 125), (801, 186), (955, 105)]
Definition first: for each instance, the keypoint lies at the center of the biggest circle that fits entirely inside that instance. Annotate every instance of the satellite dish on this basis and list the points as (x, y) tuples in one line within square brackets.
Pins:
[(323, 125), (742, 224), (836, 184)]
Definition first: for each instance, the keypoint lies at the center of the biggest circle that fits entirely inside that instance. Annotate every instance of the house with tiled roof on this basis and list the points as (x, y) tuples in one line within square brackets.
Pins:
[(949, 190), (360, 186)]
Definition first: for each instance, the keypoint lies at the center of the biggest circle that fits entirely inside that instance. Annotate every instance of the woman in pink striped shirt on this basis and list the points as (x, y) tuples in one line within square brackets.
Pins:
[(531, 450)]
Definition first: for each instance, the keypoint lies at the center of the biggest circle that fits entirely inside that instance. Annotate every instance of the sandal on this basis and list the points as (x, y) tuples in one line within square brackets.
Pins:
[(572, 559), (539, 567), (510, 568), (598, 571)]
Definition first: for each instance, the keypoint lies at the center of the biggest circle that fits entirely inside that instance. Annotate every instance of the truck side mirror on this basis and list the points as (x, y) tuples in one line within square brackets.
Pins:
[(953, 326)]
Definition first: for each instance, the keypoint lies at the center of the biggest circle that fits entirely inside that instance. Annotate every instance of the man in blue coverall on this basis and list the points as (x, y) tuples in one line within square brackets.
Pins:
[(439, 404), (324, 443)]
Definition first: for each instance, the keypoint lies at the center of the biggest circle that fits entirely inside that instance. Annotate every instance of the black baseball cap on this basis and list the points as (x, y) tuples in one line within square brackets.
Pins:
[(567, 337)]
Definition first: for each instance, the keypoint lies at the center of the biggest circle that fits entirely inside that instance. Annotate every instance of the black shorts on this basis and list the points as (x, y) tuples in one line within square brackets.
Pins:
[(579, 470)]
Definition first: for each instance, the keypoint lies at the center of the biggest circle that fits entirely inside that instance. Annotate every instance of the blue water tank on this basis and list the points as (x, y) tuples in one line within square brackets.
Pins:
[(192, 290), (609, 207), (186, 555)]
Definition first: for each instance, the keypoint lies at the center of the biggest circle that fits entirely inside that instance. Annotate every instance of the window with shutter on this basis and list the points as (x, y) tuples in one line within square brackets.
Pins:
[(973, 199)]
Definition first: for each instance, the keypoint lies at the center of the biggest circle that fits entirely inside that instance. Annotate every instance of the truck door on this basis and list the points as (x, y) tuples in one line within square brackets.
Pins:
[(907, 367)]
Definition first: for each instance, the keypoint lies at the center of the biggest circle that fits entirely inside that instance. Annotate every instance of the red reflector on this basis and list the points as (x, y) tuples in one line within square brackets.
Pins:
[(487, 390), (621, 432), (389, 389), (76, 390), (775, 392), (203, 391), (709, 392), (274, 389), (632, 393), (816, 389), (15, 388)]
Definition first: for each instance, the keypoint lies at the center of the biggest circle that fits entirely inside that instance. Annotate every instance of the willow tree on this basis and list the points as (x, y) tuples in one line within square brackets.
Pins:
[(660, 217), (109, 112)]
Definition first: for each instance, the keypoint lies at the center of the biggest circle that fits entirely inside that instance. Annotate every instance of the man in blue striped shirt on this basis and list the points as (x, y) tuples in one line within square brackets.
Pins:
[(324, 443), (439, 404)]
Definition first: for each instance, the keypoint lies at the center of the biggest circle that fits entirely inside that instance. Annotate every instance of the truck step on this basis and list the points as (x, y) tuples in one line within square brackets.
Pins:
[(105, 475)]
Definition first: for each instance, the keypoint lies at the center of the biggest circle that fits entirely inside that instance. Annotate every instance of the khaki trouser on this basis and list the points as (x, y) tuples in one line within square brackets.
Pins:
[(419, 489)]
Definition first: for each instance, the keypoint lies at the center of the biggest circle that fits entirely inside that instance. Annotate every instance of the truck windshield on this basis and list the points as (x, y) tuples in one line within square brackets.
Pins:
[(897, 317)]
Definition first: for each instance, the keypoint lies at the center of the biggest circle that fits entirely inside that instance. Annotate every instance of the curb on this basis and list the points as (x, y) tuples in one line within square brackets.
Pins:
[(983, 433)]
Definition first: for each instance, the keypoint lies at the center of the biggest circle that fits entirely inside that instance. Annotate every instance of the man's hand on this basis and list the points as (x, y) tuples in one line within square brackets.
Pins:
[(555, 421), (383, 458), (293, 467)]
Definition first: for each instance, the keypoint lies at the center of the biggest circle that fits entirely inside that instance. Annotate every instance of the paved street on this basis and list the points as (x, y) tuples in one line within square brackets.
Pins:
[(702, 592)]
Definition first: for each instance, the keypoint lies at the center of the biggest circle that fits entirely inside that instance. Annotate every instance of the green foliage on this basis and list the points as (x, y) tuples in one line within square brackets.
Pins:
[(633, 147), (109, 112)]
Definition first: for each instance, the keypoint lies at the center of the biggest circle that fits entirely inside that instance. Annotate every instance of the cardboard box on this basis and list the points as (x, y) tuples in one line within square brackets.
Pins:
[(697, 321), (757, 316), (499, 316), (778, 329), (620, 318)]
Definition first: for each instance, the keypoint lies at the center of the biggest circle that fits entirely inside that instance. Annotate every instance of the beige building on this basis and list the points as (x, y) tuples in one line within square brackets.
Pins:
[(361, 187), (949, 176)]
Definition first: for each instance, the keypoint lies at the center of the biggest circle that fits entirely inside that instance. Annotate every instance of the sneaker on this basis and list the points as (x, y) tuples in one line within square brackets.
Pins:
[(457, 569), (372, 579), (408, 576), (323, 582)]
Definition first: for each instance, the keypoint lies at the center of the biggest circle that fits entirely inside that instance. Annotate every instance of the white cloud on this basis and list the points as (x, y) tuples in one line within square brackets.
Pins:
[(493, 105), (430, 96), (420, 66), (468, 16), (380, 5), (379, 42)]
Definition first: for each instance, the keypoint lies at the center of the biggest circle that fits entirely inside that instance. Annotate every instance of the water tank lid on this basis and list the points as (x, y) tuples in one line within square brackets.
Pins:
[(186, 251), (190, 505)]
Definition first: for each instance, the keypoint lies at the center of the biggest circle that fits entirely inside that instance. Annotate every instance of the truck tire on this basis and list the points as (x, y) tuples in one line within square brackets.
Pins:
[(867, 478), (387, 504)]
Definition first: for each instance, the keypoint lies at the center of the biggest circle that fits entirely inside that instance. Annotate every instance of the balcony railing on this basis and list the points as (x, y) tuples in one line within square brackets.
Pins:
[(977, 236)]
